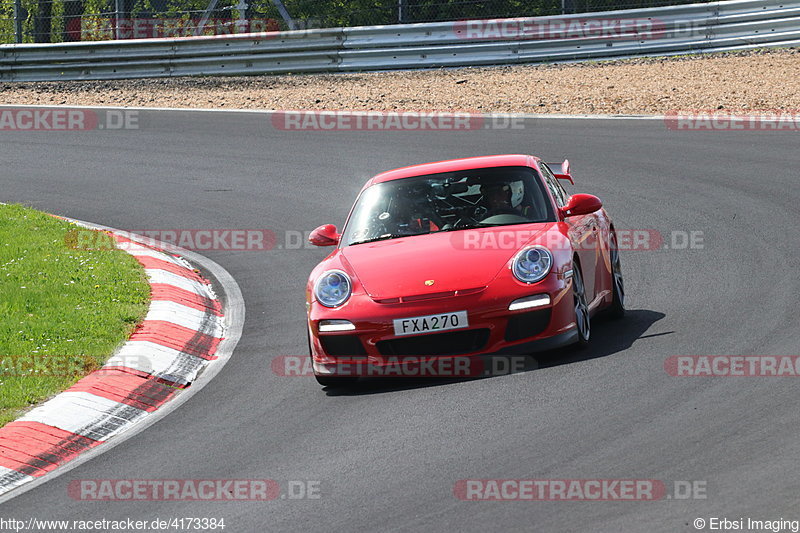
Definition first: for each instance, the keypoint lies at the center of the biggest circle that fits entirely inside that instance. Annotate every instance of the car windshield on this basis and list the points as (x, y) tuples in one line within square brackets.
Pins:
[(449, 201)]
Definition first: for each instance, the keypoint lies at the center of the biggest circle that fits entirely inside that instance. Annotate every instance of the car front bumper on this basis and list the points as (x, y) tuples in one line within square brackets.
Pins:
[(372, 348)]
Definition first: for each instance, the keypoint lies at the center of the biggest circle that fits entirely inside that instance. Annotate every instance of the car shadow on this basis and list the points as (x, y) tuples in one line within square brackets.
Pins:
[(608, 337)]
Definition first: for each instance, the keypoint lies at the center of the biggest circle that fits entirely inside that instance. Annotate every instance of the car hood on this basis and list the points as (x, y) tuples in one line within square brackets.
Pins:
[(455, 260)]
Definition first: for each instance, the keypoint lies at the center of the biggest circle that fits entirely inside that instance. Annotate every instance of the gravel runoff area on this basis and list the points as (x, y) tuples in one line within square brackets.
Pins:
[(756, 80)]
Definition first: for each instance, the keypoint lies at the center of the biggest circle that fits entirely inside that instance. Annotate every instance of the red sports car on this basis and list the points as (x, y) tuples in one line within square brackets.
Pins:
[(469, 257)]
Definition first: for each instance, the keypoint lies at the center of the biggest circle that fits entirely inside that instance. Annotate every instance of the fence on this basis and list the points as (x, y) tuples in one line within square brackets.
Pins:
[(46, 21), (715, 26)]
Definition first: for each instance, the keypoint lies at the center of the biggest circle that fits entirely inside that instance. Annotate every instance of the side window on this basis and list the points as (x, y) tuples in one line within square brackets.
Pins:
[(561, 188), (555, 187)]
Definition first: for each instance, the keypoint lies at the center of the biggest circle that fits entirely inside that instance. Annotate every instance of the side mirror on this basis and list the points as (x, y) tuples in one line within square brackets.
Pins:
[(325, 235), (581, 204)]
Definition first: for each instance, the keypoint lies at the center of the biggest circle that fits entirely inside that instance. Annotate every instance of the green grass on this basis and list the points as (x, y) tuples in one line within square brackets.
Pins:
[(63, 310)]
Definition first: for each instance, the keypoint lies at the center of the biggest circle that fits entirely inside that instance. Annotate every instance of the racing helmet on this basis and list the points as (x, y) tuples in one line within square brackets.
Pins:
[(517, 193)]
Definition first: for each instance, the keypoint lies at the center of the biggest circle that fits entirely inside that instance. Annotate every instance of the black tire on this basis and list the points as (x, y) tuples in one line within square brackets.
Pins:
[(583, 319), (617, 308)]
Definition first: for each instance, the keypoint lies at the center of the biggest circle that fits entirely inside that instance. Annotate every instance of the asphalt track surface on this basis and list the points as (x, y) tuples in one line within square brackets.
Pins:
[(388, 454)]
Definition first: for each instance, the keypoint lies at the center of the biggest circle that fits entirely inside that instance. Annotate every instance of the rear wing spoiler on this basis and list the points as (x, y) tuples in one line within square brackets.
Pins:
[(561, 171)]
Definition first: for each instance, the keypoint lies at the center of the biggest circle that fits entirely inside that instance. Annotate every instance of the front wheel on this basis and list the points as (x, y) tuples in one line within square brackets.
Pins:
[(583, 321), (617, 308)]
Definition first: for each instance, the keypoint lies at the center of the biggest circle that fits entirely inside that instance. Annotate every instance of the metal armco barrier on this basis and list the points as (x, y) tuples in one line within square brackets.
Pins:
[(709, 27)]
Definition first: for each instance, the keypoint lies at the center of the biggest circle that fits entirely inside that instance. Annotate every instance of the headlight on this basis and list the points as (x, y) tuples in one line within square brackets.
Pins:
[(333, 288), (532, 264)]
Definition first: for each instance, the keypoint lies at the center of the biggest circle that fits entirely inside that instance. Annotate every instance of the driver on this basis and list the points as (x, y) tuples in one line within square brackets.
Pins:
[(505, 199), (498, 199)]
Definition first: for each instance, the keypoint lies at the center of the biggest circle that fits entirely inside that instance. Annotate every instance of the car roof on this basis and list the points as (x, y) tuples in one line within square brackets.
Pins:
[(453, 165)]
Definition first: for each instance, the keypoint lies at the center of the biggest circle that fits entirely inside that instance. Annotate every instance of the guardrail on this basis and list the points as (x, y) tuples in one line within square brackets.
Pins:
[(708, 27)]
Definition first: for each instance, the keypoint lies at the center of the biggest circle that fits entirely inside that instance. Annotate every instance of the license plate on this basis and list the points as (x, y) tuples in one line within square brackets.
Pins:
[(424, 324)]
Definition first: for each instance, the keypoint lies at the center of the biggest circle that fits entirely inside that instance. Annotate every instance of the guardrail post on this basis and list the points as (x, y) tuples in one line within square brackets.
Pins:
[(19, 14), (402, 8), (241, 22), (118, 8)]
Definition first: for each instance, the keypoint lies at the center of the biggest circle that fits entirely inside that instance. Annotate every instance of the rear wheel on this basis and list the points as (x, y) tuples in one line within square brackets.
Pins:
[(617, 308), (583, 323)]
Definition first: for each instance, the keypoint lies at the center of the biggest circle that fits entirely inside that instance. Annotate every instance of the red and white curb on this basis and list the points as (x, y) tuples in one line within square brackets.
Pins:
[(185, 332)]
